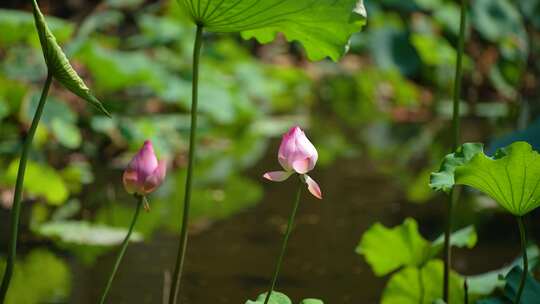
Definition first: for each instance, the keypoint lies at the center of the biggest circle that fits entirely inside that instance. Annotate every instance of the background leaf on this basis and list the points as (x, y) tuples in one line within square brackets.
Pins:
[(40, 180), (404, 286), (275, 298), (387, 249)]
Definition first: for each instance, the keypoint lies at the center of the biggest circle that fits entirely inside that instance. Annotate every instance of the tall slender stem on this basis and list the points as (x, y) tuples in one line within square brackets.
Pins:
[(123, 249), (458, 76), (447, 252), (421, 285), (285, 241), (523, 238), (17, 197), (178, 268), (455, 143), (466, 291)]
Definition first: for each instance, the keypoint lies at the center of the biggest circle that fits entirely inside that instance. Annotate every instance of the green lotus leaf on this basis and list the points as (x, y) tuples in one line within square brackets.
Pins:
[(323, 27), (486, 283), (463, 238), (59, 65), (312, 301), (275, 298), (531, 292), (387, 249), (404, 286), (511, 177), (53, 188), (85, 233), (443, 180)]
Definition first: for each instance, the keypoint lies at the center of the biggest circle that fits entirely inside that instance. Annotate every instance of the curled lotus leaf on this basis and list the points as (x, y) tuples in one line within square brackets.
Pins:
[(58, 64), (511, 177)]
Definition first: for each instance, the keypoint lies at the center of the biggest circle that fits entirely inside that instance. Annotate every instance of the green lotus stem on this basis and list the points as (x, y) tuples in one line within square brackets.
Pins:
[(458, 76), (455, 143), (466, 291), (17, 197), (285, 241), (421, 285), (523, 238), (178, 268), (123, 248)]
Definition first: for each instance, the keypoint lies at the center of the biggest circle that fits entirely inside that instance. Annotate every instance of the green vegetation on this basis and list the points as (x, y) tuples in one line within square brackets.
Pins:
[(383, 88)]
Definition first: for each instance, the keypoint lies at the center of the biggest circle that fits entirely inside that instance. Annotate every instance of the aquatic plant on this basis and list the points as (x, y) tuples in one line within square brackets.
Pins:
[(416, 273), (323, 27), (59, 68), (143, 175), (296, 155), (511, 177), (453, 196), (281, 298)]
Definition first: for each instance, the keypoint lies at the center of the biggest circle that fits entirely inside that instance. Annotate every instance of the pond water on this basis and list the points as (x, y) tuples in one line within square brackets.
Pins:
[(232, 260)]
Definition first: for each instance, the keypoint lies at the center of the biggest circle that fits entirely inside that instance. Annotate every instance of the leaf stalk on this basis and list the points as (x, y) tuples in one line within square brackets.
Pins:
[(179, 266), (17, 196), (523, 238), (455, 142)]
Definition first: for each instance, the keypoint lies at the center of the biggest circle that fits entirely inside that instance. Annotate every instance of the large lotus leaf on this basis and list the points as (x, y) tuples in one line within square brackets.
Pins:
[(275, 298), (511, 177), (405, 286), (323, 27), (443, 180), (59, 65), (387, 249)]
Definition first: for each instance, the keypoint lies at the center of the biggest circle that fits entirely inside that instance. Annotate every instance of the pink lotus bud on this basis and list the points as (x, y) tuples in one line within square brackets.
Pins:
[(144, 173), (296, 154)]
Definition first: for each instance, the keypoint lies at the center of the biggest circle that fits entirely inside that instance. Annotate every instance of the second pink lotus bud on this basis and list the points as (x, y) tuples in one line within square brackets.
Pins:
[(144, 172)]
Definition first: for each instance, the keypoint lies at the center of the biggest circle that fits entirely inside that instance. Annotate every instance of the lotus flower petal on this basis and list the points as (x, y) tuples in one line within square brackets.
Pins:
[(277, 176), (313, 187)]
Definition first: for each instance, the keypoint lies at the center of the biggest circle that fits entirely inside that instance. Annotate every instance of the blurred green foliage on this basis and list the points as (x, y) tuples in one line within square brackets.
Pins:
[(390, 96), (39, 277)]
